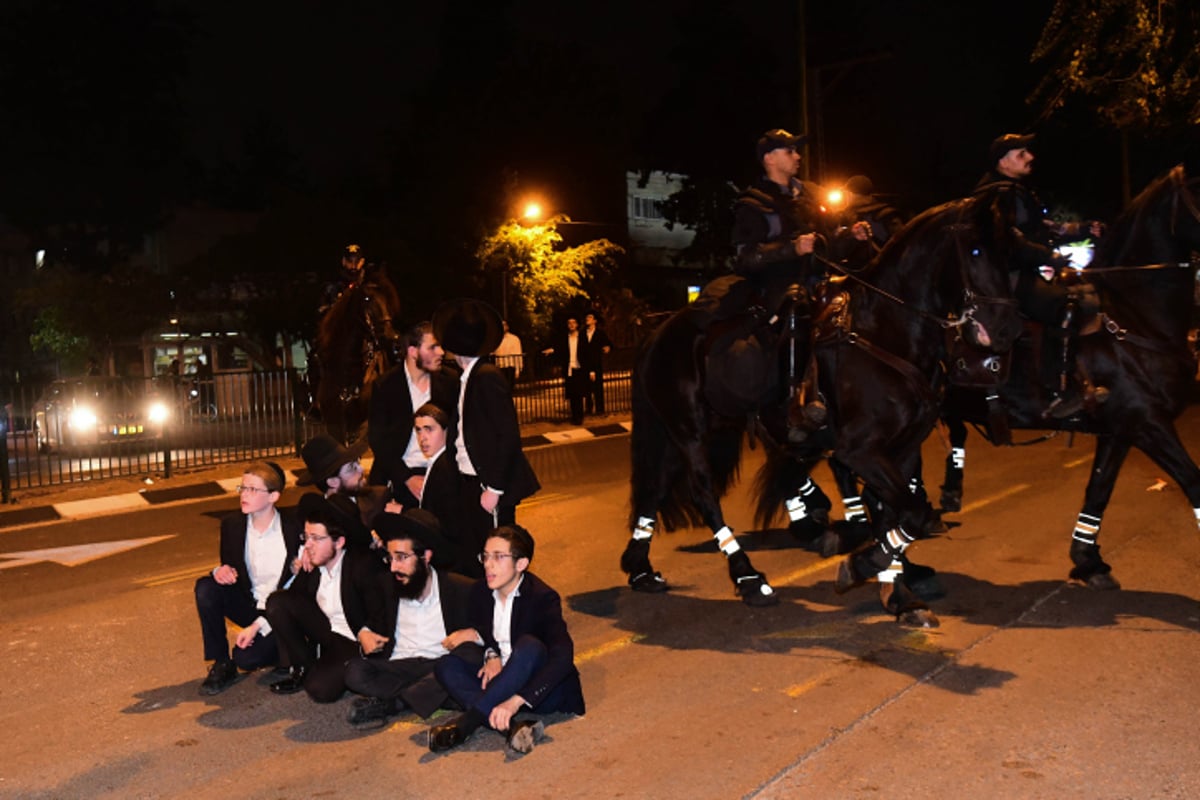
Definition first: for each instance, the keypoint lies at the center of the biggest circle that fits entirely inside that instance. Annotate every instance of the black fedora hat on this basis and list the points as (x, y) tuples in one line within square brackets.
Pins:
[(420, 524), (468, 327), (340, 511), (1009, 141), (324, 456)]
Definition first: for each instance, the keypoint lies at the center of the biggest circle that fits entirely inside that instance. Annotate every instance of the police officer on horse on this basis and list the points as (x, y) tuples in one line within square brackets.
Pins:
[(1055, 305)]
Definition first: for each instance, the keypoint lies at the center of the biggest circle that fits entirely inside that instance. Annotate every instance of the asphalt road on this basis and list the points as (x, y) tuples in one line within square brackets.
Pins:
[(1031, 687)]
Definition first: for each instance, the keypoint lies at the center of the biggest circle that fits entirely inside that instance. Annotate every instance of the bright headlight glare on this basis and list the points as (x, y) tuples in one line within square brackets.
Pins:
[(157, 412), (82, 418)]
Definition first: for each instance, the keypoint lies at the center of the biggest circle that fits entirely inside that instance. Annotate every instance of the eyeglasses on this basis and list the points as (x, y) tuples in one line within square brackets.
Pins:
[(251, 489), (316, 538), (486, 557), (401, 557)]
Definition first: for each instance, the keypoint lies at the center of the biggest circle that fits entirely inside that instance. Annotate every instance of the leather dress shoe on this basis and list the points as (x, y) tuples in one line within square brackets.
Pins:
[(373, 711), (446, 737), (221, 675), (524, 734), (293, 683)]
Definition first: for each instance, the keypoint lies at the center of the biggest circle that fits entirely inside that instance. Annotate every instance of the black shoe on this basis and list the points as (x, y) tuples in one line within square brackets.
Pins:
[(373, 711), (1064, 407), (524, 734), (446, 737), (221, 675), (293, 683)]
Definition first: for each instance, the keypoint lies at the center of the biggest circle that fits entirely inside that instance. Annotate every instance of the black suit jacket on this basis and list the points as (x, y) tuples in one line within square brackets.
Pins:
[(363, 587), (591, 354), (537, 611), (390, 420), (492, 435), (233, 547), (440, 498)]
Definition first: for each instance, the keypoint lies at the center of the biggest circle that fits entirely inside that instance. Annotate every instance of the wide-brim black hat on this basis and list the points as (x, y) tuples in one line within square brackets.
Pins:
[(420, 523), (467, 327), (324, 456)]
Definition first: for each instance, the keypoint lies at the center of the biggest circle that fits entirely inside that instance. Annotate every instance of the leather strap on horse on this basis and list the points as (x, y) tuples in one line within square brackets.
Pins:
[(905, 368)]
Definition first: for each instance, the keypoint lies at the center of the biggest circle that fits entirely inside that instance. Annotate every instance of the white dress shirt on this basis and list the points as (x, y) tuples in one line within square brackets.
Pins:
[(502, 620), (420, 628), (266, 552), (329, 596)]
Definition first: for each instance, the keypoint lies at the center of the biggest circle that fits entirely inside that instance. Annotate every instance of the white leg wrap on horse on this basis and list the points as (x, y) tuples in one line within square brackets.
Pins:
[(914, 485), (855, 512), (808, 488), (644, 528), (1196, 511), (958, 456), (890, 574), (898, 541), (796, 508), (726, 541), (1087, 528)]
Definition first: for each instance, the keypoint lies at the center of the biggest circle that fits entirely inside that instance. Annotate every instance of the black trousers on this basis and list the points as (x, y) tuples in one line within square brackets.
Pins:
[(306, 640), (476, 525), (217, 602)]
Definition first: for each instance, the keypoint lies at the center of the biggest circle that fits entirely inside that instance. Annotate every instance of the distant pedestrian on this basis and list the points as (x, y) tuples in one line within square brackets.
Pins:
[(569, 352), (596, 346), (509, 355)]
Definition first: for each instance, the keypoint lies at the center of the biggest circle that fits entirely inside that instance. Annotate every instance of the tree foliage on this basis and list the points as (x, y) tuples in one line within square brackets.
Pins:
[(542, 275), (1135, 61)]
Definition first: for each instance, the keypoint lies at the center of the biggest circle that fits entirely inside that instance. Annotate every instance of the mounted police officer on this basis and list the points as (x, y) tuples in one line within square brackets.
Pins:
[(779, 222), (1054, 305), (350, 274)]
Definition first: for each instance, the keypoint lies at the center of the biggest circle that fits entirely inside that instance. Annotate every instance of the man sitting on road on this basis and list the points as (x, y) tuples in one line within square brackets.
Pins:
[(427, 615), (257, 548), (529, 660)]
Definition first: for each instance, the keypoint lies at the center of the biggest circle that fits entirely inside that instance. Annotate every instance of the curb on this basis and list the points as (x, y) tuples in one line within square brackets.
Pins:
[(27, 516)]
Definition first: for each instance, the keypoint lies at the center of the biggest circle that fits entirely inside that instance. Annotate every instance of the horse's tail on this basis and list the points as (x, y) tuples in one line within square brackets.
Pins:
[(656, 477)]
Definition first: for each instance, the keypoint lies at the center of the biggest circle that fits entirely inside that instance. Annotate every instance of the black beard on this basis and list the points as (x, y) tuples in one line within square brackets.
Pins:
[(415, 586)]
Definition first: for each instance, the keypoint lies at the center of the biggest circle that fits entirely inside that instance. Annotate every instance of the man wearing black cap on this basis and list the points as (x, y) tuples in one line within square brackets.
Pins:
[(350, 273), (1006, 185), (495, 475), (426, 619)]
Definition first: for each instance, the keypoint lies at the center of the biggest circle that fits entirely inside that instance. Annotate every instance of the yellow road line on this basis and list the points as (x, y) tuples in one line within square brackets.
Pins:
[(540, 498), (987, 501), (608, 647), (1078, 461), (188, 573), (818, 566)]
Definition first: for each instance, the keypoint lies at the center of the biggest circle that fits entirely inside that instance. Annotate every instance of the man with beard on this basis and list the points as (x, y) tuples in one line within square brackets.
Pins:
[(426, 618), (421, 379), (335, 471)]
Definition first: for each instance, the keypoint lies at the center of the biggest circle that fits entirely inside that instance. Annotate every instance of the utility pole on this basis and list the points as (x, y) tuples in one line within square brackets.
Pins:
[(802, 66)]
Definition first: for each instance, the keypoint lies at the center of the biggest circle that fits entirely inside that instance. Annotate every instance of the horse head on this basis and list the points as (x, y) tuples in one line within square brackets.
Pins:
[(951, 263)]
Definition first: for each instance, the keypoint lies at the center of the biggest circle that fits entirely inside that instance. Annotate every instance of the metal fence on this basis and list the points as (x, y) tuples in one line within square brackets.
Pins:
[(88, 429)]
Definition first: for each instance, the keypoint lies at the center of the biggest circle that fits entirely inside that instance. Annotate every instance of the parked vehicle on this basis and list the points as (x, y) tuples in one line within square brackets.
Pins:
[(83, 413)]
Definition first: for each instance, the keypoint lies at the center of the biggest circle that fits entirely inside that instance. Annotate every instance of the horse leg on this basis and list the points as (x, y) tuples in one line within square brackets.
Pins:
[(808, 511), (952, 489), (654, 469), (854, 529), (1089, 567)]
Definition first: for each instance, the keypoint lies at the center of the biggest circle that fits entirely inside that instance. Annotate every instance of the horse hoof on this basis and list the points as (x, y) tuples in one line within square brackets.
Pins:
[(756, 592), (846, 578), (918, 618), (648, 582), (1103, 582)]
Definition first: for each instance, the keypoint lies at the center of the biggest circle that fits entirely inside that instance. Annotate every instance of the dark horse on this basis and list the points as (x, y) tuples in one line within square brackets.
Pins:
[(355, 345), (1139, 351), (945, 271)]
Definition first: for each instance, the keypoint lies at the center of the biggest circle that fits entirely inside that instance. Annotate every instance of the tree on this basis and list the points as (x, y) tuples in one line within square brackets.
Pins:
[(1134, 61), (537, 273)]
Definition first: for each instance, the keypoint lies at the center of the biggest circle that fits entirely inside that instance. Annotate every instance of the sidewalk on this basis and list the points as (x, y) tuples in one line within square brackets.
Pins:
[(117, 495)]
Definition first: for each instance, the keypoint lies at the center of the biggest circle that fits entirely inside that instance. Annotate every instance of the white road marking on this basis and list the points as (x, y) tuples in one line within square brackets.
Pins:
[(74, 555)]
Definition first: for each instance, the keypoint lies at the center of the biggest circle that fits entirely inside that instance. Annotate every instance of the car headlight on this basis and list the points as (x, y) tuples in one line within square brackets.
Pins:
[(82, 418), (157, 412)]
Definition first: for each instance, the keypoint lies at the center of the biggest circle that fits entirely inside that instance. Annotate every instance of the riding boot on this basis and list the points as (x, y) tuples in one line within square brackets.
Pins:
[(1075, 392)]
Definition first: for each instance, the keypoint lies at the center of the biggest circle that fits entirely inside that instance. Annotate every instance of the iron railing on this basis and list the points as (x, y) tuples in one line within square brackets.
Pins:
[(98, 428)]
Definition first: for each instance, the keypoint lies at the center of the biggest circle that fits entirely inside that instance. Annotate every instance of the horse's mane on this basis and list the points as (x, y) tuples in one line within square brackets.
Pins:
[(1127, 233), (345, 318)]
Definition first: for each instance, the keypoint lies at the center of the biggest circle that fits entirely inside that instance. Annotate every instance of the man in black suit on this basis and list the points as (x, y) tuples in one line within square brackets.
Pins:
[(421, 379), (257, 551), (440, 491), (426, 619), (569, 351), (327, 607), (596, 345), (336, 472), (494, 473), (529, 656)]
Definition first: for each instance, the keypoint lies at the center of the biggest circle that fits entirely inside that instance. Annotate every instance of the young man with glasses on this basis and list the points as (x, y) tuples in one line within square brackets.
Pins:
[(322, 617), (426, 619), (257, 549), (528, 660)]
